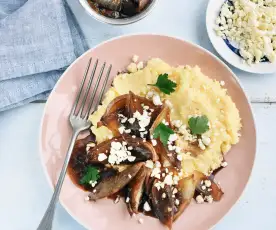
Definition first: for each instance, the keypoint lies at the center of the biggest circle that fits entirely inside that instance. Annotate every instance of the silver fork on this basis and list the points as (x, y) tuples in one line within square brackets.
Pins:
[(79, 122)]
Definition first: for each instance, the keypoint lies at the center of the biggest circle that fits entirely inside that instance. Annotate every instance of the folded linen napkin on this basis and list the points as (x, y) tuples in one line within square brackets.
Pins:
[(38, 40)]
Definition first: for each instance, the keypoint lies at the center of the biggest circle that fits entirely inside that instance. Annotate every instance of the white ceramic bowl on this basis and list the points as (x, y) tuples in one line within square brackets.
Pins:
[(117, 21), (225, 52)]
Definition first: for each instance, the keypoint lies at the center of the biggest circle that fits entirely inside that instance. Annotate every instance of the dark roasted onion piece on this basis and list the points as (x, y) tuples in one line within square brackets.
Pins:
[(186, 190), (215, 192), (136, 188), (142, 151), (115, 183), (163, 207)]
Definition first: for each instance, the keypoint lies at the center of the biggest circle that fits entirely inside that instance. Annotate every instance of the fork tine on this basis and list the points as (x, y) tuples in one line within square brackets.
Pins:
[(94, 92), (88, 88), (73, 111), (104, 85)]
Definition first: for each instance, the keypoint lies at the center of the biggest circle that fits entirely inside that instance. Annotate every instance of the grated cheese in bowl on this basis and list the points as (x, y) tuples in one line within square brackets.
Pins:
[(251, 25)]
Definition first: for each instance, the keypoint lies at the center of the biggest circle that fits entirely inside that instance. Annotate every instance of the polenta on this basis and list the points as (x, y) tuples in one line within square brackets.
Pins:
[(195, 95)]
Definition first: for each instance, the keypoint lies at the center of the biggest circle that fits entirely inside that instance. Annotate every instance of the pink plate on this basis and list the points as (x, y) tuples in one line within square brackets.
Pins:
[(56, 132)]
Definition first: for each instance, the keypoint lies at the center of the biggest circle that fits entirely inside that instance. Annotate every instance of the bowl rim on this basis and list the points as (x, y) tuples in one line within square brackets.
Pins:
[(119, 21), (157, 35)]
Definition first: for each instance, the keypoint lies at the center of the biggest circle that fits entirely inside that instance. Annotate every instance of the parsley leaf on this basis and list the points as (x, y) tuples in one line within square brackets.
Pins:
[(91, 174), (199, 124), (165, 84), (163, 132)]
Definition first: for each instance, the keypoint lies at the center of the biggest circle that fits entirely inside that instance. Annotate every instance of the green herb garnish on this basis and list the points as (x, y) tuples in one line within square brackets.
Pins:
[(165, 84), (91, 175), (163, 132), (199, 124)]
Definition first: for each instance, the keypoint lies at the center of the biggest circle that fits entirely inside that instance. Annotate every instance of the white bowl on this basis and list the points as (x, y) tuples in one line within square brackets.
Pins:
[(224, 51), (117, 21)]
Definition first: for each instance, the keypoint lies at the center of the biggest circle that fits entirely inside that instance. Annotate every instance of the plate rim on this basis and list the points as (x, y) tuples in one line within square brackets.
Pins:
[(156, 35), (237, 64)]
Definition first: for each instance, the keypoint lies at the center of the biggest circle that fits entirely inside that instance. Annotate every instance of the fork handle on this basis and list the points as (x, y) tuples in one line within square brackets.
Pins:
[(47, 220)]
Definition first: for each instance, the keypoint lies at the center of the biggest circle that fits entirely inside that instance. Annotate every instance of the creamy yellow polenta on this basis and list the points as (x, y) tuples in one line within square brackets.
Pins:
[(195, 94)]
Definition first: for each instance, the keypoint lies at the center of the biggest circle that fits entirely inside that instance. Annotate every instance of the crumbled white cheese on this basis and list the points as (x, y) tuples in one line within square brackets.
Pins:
[(177, 123), (131, 158), (222, 83), (168, 180), (146, 107), (86, 198), (131, 120), (127, 130), (156, 100), (121, 129), (132, 67), (171, 147), (91, 145), (154, 142), (159, 185), (158, 164), (102, 157), (119, 153), (199, 199), (117, 200), (149, 164), (150, 94), (156, 173), (206, 140), (129, 176), (135, 58), (179, 157), (165, 122), (141, 221), (224, 164), (209, 199), (250, 24), (201, 145), (127, 200), (177, 202), (140, 65), (147, 207), (124, 120), (173, 137), (175, 190), (164, 195), (143, 119), (208, 183), (203, 187)]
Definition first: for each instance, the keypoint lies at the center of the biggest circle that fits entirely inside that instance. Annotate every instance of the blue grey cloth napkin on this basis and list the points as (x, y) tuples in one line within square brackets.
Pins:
[(38, 40)]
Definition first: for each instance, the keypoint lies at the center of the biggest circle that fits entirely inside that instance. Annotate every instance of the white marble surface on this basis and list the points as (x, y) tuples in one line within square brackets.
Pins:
[(24, 190)]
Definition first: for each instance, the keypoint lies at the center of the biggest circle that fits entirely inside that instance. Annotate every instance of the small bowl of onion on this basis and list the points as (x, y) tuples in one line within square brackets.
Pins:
[(118, 12)]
